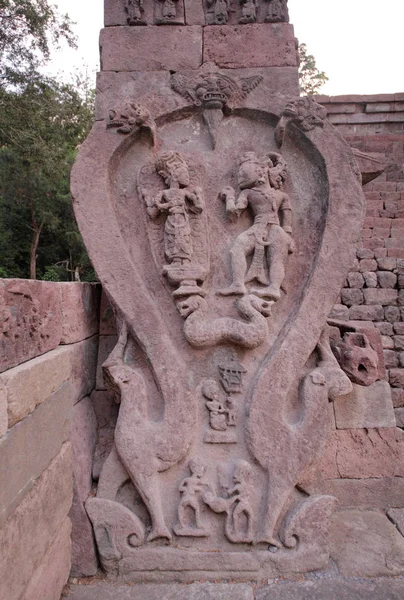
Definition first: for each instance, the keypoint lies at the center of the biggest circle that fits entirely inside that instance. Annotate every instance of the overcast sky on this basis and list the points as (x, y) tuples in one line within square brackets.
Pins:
[(358, 43)]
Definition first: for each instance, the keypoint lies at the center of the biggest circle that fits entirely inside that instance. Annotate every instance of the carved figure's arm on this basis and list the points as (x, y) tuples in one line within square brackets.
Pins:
[(195, 198), (152, 204), (234, 207), (285, 210)]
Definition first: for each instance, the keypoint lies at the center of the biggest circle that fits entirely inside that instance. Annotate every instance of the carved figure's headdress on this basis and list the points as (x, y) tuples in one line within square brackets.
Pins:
[(165, 162)]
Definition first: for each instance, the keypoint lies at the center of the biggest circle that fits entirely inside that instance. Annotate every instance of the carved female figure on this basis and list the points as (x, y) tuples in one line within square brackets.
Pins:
[(176, 201)]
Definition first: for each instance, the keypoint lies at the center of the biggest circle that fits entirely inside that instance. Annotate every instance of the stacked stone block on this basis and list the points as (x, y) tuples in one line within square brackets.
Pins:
[(374, 289), (48, 354)]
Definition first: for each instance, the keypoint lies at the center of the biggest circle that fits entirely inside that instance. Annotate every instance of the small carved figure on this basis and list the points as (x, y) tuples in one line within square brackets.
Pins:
[(217, 12), (135, 10), (261, 183), (168, 12), (217, 411), (277, 11), (176, 201), (248, 11), (191, 490)]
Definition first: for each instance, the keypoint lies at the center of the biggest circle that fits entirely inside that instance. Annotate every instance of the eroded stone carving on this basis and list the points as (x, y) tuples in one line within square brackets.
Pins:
[(222, 415), (217, 12), (213, 92), (191, 490), (305, 113), (277, 11), (261, 184), (130, 117), (235, 503), (248, 11), (357, 358), (135, 12), (231, 376), (176, 203), (169, 12)]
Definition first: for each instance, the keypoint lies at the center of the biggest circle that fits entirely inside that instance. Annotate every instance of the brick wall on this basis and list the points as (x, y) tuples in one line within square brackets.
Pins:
[(48, 354), (374, 290)]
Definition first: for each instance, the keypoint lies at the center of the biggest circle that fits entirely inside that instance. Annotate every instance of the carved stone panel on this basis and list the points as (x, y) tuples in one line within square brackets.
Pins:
[(243, 12), (222, 240)]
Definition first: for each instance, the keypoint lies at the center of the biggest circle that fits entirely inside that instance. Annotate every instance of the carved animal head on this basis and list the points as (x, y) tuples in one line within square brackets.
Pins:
[(130, 115), (357, 358), (259, 304), (172, 167), (306, 112), (190, 305)]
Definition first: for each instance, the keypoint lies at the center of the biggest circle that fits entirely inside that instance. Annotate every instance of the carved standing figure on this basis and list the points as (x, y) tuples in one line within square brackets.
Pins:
[(277, 11), (168, 10), (191, 489), (261, 183), (217, 12), (135, 10), (176, 201), (239, 522), (248, 11)]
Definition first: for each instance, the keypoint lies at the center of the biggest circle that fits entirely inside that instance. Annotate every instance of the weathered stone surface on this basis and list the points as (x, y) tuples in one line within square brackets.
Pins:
[(369, 406), (195, 591), (366, 544), (396, 515), (384, 492), (391, 314), (31, 320), (399, 342), (339, 312), (333, 589), (3, 409), (356, 280), (390, 359), (397, 395), (80, 311), (367, 264), (105, 347), (366, 313), (351, 296), (396, 377), (33, 382), (107, 317), (128, 48), (246, 46), (194, 14), (380, 296), (386, 279), (29, 532), (83, 439), (359, 454), (51, 575), (370, 278), (105, 408), (31, 445)]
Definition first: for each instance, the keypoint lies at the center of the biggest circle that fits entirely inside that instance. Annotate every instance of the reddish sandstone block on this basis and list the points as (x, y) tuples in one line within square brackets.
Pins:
[(3, 409), (80, 310), (107, 317), (366, 406), (151, 48), (52, 574), (380, 296), (396, 377), (31, 321), (254, 45), (30, 531)]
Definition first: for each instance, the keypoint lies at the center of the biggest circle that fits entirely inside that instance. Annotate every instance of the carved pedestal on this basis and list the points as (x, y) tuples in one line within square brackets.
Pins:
[(222, 230)]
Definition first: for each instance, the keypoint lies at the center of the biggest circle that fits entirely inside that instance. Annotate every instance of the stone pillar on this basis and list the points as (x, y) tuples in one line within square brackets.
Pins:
[(221, 213)]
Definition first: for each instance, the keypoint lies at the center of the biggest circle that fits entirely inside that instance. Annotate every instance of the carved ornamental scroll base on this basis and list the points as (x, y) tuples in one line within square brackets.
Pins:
[(222, 243)]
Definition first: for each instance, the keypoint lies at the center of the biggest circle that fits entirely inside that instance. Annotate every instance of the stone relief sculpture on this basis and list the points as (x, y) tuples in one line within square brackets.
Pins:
[(248, 11), (217, 12), (135, 12), (191, 490), (221, 413), (261, 183), (357, 358), (277, 11), (168, 12), (213, 92)]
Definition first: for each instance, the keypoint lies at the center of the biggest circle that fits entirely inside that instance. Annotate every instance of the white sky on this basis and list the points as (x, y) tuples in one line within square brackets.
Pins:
[(358, 43)]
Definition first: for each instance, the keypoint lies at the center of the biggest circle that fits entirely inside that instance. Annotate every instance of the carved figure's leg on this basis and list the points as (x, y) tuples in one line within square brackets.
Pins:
[(113, 475), (242, 247), (238, 513), (278, 247), (148, 488)]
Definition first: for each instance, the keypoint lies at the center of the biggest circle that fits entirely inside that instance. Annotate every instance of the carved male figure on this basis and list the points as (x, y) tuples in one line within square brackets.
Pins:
[(277, 11), (248, 11), (176, 201), (169, 9), (191, 489), (261, 184), (239, 525)]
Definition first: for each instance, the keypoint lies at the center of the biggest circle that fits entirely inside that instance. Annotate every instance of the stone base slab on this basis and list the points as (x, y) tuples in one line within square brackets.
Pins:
[(325, 589)]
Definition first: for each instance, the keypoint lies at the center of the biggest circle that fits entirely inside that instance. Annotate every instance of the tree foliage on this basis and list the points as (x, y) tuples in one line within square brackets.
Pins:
[(42, 122), (310, 77)]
